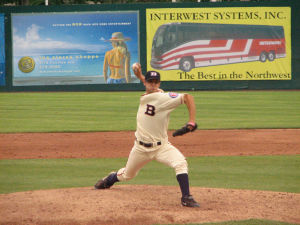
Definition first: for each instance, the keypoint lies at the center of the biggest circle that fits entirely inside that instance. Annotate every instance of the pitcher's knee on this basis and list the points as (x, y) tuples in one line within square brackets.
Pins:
[(123, 176), (181, 167)]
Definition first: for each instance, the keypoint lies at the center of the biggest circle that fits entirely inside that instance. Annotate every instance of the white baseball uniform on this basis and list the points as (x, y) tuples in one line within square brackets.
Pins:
[(151, 135)]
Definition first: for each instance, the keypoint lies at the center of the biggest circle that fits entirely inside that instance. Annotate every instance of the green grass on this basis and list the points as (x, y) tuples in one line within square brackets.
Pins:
[(113, 111), (60, 112), (273, 173)]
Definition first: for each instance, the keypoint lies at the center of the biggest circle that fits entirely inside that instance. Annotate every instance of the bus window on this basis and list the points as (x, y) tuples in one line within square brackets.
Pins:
[(159, 37), (169, 38)]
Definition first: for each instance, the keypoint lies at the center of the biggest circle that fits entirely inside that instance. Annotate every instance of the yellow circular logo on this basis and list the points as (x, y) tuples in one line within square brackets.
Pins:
[(26, 64)]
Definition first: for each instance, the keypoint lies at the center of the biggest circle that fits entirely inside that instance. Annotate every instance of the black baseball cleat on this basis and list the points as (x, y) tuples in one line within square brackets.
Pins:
[(106, 182), (189, 201)]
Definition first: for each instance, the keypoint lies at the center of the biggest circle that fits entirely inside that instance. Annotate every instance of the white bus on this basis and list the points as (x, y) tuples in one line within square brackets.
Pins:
[(186, 46)]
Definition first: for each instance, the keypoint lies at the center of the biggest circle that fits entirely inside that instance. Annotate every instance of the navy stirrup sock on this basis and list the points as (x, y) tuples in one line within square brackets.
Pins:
[(183, 180)]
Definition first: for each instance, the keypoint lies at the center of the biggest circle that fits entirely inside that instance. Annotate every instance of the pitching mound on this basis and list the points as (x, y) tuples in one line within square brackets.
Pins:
[(143, 204)]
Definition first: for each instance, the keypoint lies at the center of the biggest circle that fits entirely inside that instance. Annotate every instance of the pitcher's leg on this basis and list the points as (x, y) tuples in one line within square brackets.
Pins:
[(136, 160), (172, 157)]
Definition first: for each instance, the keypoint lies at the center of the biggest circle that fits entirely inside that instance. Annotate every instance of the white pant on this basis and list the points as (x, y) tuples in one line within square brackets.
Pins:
[(138, 157)]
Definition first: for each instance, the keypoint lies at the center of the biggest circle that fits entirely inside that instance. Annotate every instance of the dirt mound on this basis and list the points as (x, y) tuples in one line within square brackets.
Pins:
[(144, 204)]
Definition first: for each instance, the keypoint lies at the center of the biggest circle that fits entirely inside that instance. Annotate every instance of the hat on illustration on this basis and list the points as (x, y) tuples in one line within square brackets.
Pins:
[(118, 36)]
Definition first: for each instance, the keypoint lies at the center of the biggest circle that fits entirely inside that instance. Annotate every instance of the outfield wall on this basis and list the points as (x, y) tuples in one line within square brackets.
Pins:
[(63, 48)]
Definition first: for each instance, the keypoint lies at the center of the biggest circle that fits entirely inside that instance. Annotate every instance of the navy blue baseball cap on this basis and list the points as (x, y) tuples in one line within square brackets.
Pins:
[(152, 75)]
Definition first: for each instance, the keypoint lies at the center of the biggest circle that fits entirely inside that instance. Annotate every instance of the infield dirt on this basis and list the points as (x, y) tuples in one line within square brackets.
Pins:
[(144, 204)]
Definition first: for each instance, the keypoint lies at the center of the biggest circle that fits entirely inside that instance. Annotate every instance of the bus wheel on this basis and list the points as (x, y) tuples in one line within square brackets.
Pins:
[(271, 55), (186, 64), (263, 57)]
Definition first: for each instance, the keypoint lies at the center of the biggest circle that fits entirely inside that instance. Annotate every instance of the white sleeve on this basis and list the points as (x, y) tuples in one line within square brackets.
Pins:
[(172, 100)]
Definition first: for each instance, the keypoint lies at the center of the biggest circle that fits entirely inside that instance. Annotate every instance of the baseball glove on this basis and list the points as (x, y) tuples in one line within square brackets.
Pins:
[(189, 127)]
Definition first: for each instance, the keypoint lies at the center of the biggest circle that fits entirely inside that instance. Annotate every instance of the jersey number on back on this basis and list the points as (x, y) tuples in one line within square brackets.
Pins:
[(150, 111)]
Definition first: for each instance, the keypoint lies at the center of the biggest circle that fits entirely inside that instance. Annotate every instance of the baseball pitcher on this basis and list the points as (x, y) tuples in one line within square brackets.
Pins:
[(151, 141)]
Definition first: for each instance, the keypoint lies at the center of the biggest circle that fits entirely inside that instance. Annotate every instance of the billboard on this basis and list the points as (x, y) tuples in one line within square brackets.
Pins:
[(208, 44), (74, 48), (2, 51)]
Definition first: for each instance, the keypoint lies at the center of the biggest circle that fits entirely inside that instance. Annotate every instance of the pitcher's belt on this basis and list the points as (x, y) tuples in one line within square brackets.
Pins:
[(149, 145)]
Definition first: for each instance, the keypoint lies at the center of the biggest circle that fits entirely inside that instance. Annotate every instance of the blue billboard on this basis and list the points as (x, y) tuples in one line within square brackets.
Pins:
[(74, 48), (2, 51)]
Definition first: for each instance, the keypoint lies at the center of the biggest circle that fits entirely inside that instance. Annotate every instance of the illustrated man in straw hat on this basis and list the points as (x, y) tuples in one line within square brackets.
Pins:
[(117, 60)]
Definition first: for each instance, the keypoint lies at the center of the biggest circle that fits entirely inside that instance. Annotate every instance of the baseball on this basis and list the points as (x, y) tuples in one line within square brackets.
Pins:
[(135, 66)]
